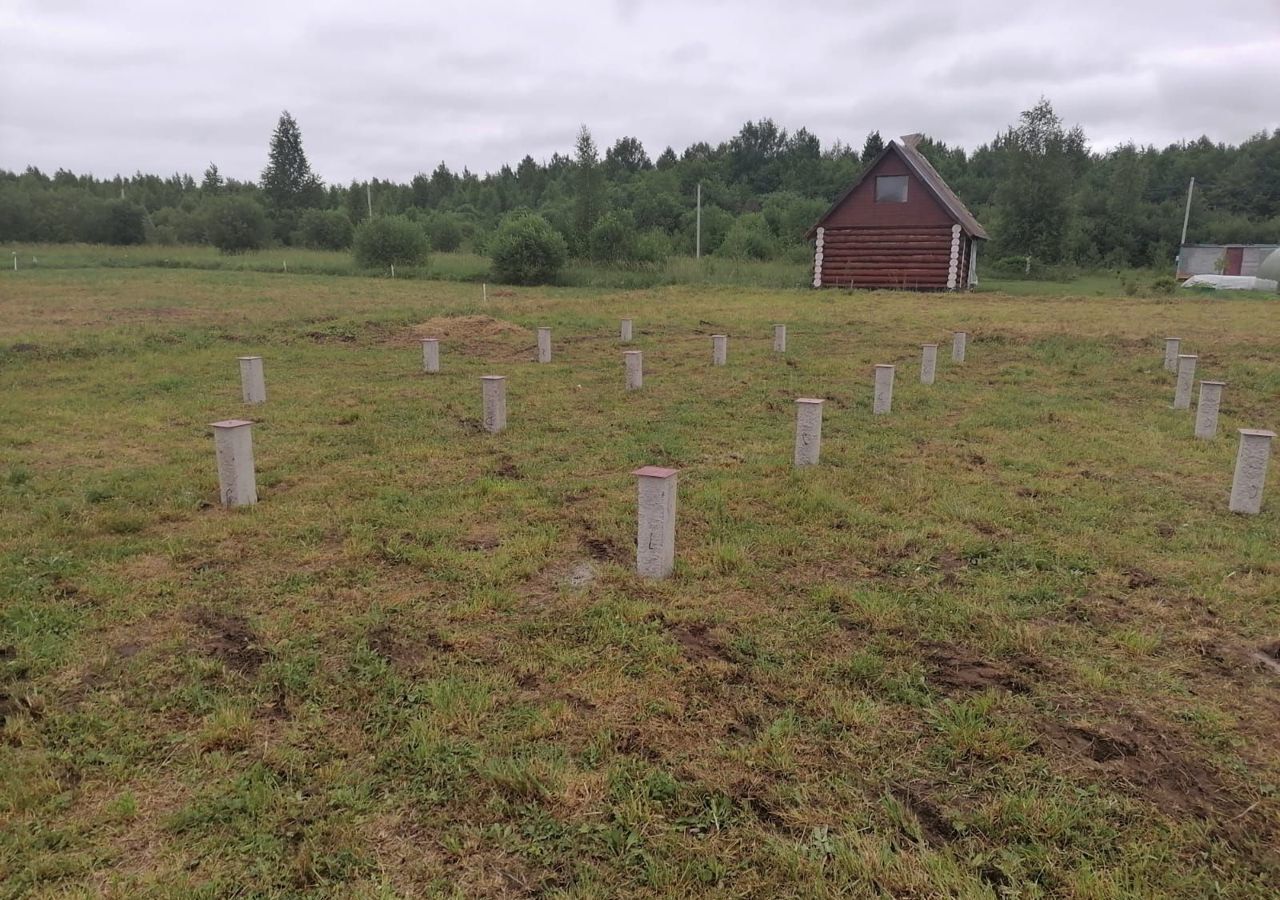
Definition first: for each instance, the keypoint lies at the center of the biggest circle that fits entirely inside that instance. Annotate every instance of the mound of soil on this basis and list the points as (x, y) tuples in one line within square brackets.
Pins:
[(473, 335)]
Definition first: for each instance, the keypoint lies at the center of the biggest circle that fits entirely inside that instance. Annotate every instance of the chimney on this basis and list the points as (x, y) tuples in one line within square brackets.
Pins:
[(911, 140)]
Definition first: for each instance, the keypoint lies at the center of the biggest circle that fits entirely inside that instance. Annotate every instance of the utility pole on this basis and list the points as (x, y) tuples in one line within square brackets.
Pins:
[(1186, 217), (368, 195), (697, 247)]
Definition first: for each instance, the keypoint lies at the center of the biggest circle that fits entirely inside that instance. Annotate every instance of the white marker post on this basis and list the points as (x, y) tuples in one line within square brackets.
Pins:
[(656, 521), (928, 363), (1207, 408), (635, 369), (779, 338), (494, 389), (959, 343), (253, 384), (233, 444), (626, 330), (719, 349), (431, 355), (1186, 377), (882, 402), (1251, 470), (808, 431), (544, 345), (1172, 347)]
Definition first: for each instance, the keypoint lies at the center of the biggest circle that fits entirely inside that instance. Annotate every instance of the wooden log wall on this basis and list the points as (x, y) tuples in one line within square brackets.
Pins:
[(887, 256)]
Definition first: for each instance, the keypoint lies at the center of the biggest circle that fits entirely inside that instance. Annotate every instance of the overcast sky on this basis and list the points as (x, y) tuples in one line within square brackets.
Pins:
[(389, 89)]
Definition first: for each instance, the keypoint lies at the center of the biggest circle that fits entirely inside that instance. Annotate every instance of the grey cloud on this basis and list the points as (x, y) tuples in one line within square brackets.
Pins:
[(387, 89)]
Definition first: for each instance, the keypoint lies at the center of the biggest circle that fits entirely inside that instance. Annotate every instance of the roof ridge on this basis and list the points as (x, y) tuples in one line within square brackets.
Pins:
[(938, 186), (944, 192)]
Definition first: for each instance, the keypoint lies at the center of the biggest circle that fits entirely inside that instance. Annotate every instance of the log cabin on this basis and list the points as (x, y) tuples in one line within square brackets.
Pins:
[(897, 226)]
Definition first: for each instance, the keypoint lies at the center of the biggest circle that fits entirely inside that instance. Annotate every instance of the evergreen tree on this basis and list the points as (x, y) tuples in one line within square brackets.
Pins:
[(588, 199), (872, 147), (443, 184), (288, 182), (212, 183)]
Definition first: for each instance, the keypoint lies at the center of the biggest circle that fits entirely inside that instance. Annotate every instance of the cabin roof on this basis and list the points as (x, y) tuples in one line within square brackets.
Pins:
[(905, 148)]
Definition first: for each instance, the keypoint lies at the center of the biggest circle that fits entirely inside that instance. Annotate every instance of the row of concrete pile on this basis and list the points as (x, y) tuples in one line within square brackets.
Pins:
[(656, 501)]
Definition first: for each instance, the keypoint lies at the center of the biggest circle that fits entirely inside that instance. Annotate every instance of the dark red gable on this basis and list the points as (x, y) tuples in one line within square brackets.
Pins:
[(859, 206), (930, 201)]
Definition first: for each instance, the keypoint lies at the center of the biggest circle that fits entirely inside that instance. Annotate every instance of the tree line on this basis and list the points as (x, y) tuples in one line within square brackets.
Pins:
[(1036, 186)]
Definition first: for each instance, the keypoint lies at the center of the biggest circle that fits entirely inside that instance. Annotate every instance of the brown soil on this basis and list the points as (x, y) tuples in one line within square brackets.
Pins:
[(229, 639), (482, 538), (482, 336), (1140, 579), (1151, 760), (505, 467), (1268, 657), (950, 565), (935, 828), (406, 650), (697, 644), (954, 669)]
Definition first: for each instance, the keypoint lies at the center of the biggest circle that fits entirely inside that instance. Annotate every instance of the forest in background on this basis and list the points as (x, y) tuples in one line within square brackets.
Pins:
[(1036, 186)]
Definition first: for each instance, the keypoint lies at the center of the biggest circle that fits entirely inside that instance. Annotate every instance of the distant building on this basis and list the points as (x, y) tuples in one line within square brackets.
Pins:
[(1222, 259), (897, 226)]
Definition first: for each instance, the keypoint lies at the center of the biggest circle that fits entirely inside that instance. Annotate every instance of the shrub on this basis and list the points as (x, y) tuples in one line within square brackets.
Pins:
[(654, 246), (324, 229), (445, 232), (716, 223), (1166, 284), (185, 226), (612, 239), (121, 222), (236, 224), (789, 216), (748, 238), (527, 250), (390, 241)]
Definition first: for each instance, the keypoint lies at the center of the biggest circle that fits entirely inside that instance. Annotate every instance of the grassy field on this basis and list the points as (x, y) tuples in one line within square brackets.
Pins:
[(471, 267), (460, 266), (1004, 641)]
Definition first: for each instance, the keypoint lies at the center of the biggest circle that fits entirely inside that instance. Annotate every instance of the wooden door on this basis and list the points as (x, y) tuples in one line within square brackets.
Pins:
[(1235, 258)]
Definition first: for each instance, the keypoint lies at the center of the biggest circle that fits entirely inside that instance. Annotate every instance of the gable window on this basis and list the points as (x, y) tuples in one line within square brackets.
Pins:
[(891, 189)]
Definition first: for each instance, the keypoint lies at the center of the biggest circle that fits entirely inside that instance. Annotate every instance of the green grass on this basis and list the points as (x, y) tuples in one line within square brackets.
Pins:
[(1000, 642), (471, 267), (460, 266)]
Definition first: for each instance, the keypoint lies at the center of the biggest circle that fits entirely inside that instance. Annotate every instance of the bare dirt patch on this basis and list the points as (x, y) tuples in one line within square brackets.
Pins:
[(581, 574), (935, 828), (230, 639), (506, 467), (1156, 763), (1138, 578), (402, 649), (1268, 657), (955, 669), (950, 566), (482, 538), (697, 643), (471, 335)]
